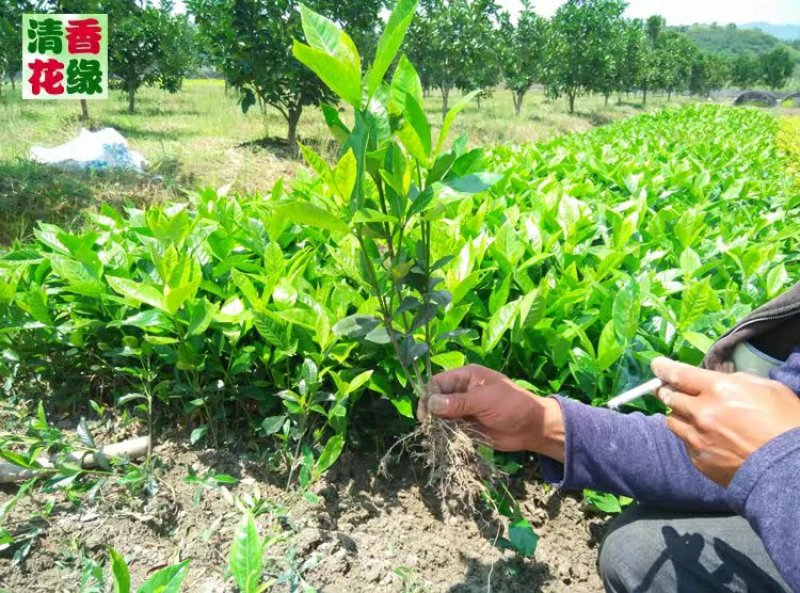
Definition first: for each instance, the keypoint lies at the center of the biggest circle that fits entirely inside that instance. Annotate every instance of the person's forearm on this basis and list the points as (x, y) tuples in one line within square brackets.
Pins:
[(765, 491), (632, 455)]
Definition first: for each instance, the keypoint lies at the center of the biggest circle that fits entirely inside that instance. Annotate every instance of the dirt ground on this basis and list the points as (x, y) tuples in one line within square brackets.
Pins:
[(365, 533)]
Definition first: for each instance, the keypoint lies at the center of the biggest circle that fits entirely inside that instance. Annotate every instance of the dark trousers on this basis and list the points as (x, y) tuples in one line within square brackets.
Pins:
[(655, 551)]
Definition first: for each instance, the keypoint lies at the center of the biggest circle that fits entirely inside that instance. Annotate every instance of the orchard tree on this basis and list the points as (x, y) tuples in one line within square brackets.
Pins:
[(709, 72), (777, 67), (745, 71), (631, 59), (481, 59), (11, 12), (522, 51), (650, 76), (675, 56), (454, 44), (251, 43), (148, 46), (583, 41)]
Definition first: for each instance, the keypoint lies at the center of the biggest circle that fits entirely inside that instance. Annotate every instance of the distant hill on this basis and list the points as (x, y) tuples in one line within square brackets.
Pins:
[(730, 40), (784, 32)]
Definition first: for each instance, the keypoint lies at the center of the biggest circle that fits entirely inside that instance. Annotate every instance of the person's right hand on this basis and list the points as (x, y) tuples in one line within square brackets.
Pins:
[(512, 418)]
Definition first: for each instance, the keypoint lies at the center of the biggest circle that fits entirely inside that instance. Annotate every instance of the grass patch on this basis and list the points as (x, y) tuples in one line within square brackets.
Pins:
[(199, 137)]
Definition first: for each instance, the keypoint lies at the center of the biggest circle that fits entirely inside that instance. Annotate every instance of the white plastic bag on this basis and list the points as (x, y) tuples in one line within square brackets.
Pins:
[(104, 149)]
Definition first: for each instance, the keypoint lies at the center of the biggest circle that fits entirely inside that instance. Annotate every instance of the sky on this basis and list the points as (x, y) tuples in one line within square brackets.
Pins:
[(687, 12)]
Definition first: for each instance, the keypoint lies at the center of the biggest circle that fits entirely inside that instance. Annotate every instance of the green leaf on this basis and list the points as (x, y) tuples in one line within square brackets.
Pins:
[(450, 118), (498, 324), (390, 42), (338, 129), (308, 214), (166, 580), (523, 538), (449, 360), (340, 77), (344, 176), (333, 448), (331, 55), (197, 434), (120, 572), (700, 341), (474, 183), (602, 501), (315, 161), (272, 424), (690, 261), (609, 350), (138, 292), (246, 557), (405, 81), (776, 280), (416, 131), (694, 303), (201, 314), (411, 350), (355, 326), (626, 310)]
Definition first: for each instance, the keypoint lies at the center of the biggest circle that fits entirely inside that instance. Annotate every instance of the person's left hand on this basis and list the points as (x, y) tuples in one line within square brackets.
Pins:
[(723, 418)]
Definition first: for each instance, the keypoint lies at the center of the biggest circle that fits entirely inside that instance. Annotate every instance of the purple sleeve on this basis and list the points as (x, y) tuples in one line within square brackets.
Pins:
[(765, 491), (632, 455), (789, 372)]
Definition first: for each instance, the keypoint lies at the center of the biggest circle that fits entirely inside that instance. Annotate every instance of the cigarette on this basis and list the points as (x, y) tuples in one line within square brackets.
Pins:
[(633, 394)]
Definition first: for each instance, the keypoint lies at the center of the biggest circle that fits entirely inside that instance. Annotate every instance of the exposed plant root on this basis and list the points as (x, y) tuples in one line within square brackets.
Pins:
[(456, 469)]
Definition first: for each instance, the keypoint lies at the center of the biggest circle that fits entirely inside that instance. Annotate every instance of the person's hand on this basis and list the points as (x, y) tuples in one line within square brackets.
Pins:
[(512, 418), (723, 418)]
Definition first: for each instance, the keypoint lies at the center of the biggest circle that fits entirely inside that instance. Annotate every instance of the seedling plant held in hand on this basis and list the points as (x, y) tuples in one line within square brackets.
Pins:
[(392, 183)]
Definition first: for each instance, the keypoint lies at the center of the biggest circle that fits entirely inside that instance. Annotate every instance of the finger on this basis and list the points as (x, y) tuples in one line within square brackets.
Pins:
[(422, 409), (473, 403), (683, 377), (685, 432), (450, 405), (681, 403), (455, 381)]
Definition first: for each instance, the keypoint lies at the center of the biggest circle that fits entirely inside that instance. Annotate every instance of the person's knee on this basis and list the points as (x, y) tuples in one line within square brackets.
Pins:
[(627, 554)]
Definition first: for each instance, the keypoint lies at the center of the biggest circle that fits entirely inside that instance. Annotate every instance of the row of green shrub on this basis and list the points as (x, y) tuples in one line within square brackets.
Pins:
[(592, 254)]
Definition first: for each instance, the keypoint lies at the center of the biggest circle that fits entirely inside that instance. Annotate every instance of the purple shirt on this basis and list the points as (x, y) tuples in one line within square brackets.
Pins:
[(638, 456)]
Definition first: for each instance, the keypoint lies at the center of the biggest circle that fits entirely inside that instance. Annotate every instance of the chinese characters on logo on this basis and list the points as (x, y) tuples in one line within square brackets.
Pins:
[(65, 56)]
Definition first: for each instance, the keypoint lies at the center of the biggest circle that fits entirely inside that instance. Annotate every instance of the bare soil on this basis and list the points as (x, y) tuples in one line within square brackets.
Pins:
[(365, 533)]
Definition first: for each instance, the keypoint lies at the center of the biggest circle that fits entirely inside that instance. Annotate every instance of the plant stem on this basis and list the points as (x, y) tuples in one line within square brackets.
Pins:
[(387, 318)]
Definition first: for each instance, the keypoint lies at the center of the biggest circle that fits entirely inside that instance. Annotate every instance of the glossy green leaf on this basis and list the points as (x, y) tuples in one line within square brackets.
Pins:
[(450, 118), (246, 556), (138, 292), (119, 572), (166, 580), (308, 214), (331, 452), (390, 42)]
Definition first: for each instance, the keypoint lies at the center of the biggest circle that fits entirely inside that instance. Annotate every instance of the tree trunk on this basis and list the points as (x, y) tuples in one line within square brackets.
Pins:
[(293, 120), (445, 99), (478, 101), (131, 99), (607, 100), (84, 109), (13, 84), (669, 95), (518, 102), (644, 96), (571, 97)]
